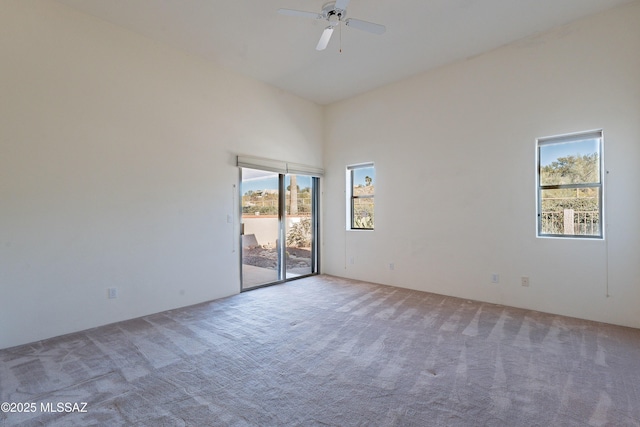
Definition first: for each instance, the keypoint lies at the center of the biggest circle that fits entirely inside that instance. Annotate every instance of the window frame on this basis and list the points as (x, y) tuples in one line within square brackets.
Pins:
[(351, 198), (562, 139)]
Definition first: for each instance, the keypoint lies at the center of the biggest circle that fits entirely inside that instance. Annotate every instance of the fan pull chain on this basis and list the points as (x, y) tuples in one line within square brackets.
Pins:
[(340, 36)]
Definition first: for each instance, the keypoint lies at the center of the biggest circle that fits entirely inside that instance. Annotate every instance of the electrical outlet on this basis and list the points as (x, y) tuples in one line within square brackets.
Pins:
[(392, 266), (495, 278), (352, 261), (525, 281), (112, 293)]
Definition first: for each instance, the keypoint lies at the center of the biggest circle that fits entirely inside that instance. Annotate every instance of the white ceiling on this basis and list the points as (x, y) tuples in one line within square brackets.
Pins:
[(249, 37)]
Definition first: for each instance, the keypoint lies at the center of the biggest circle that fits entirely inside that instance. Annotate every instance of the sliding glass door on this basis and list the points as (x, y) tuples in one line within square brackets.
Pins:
[(279, 227), (260, 227), (299, 226)]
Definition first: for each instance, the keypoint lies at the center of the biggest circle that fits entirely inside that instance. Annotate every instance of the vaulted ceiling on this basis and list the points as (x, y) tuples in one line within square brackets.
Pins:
[(251, 38)]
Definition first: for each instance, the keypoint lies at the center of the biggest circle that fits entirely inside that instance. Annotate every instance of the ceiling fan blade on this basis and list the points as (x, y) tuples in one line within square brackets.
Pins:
[(304, 14), (341, 4), (324, 38), (365, 26)]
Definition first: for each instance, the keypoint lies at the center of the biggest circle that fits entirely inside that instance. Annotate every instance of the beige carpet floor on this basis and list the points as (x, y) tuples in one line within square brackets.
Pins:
[(324, 351)]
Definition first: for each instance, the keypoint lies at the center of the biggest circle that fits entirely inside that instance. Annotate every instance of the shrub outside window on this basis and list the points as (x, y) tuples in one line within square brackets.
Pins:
[(361, 192), (570, 185)]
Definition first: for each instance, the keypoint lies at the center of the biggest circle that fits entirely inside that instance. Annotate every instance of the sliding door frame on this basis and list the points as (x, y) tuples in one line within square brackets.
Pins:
[(299, 170)]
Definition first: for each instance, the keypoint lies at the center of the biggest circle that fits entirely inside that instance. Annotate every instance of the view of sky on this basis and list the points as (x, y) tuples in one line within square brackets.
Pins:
[(550, 153), (253, 180), (360, 174)]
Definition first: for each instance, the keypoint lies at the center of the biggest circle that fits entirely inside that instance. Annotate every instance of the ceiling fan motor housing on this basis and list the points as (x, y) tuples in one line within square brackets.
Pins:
[(332, 14)]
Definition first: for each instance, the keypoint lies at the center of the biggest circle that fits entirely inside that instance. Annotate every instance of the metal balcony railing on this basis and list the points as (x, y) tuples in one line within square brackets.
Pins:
[(571, 222)]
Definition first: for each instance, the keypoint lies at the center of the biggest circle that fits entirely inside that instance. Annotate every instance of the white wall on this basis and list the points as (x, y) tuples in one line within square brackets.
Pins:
[(117, 170), (454, 151)]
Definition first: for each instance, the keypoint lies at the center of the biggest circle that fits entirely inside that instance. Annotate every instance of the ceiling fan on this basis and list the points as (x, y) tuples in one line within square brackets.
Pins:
[(335, 12)]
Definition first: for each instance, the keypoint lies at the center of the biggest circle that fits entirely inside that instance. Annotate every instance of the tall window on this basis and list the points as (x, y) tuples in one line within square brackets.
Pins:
[(570, 185), (361, 192)]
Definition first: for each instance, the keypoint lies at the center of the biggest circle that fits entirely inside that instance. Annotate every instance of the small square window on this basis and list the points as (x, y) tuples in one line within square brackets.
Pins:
[(570, 185), (361, 193)]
